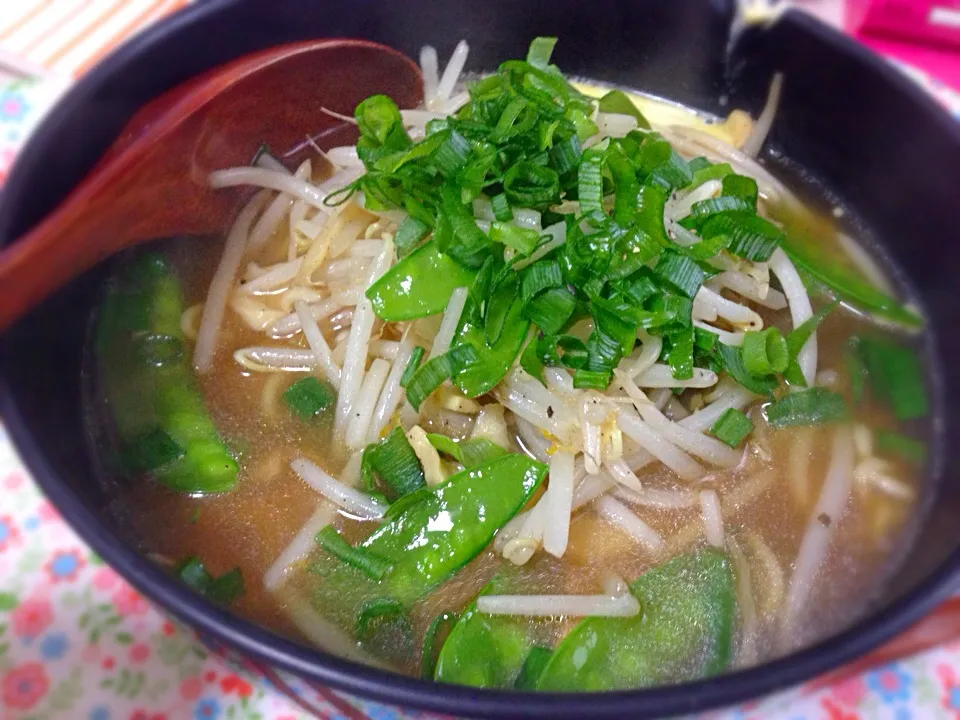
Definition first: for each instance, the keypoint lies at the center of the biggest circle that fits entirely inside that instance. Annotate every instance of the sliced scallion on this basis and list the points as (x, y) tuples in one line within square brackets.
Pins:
[(412, 364), (732, 427), (394, 462), (814, 406), (370, 564), (765, 352), (309, 397)]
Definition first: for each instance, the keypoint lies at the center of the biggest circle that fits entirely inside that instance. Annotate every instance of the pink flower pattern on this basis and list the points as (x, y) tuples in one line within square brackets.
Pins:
[(31, 617), (24, 686)]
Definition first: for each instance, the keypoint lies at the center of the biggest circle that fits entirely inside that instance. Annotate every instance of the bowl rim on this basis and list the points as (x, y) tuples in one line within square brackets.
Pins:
[(391, 688)]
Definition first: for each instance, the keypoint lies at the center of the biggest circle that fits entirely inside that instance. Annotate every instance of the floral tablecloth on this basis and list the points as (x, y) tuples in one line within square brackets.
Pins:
[(77, 642)]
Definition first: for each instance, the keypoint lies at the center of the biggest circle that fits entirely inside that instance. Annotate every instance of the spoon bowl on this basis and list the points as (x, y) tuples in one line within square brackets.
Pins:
[(152, 182)]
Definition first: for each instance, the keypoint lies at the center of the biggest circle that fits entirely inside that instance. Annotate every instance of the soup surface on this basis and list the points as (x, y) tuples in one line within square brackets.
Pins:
[(558, 389)]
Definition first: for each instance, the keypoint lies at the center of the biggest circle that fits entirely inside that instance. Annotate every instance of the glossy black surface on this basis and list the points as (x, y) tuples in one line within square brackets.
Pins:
[(861, 128)]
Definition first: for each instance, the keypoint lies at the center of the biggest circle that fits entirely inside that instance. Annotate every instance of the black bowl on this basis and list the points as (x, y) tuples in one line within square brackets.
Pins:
[(864, 132)]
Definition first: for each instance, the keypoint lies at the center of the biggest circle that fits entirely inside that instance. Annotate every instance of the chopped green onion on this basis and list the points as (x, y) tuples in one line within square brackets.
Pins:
[(452, 155), (765, 352), (855, 369), (226, 588), (706, 170), (394, 462), (434, 372), (566, 155), (530, 359), (541, 48), (705, 209), (221, 590), (523, 240), (731, 359), (433, 640), (732, 427), (584, 379), (896, 377), (590, 180), (193, 573), (530, 185), (370, 564), (309, 397), (891, 443), (498, 307), (533, 667), (815, 406), (383, 609), (750, 236), (681, 273), (742, 187), (409, 235), (680, 354), (540, 276), (551, 309), (412, 364), (617, 101), (501, 208), (797, 338), (468, 453), (562, 351)]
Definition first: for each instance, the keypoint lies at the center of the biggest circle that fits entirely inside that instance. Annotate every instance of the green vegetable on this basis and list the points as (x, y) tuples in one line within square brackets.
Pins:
[(468, 453), (394, 462), (429, 376), (891, 443), (483, 650), (896, 377), (797, 338), (435, 535), (681, 273), (533, 667), (412, 364), (684, 631), (747, 235), (731, 360), (221, 590), (409, 235), (162, 425), (492, 362), (765, 352), (617, 101), (732, 427), (419, 285), (309, 397), (371, 565), (847, 282), (815, 406), (433, 640)]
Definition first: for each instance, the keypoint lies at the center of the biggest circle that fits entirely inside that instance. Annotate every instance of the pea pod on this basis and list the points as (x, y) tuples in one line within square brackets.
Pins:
[(160, 419), (419, 285), (431, 538), (480, 377), (484, 650), (683, 631)]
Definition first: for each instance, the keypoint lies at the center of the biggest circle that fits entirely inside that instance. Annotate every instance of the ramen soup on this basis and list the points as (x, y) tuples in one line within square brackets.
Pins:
[(538, 386)]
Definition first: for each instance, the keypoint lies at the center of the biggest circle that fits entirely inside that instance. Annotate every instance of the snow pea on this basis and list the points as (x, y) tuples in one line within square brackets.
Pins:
[(484, 650), (419, 285), (495, 360), (162, 425), (683, 631), (431, 537), (434, 538)]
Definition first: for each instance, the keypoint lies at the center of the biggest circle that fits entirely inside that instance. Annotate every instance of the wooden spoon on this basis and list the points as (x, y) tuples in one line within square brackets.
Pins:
[(152, 182)]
